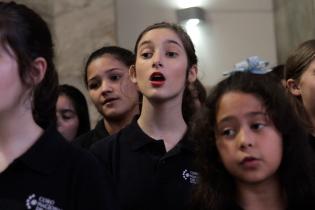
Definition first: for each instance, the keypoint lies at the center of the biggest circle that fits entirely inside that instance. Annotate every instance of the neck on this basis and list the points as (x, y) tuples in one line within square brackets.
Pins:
[(112, 126), (163, 121), (18, 132), (312, 119), (266, 195)]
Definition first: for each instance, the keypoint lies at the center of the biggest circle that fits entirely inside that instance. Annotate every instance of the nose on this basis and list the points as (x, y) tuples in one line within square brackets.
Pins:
[(245, 139), (106, 87), (157, 61)]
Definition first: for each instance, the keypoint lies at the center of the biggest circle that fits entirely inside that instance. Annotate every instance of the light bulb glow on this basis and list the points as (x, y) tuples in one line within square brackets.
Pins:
[(188, 3), (192, 22)]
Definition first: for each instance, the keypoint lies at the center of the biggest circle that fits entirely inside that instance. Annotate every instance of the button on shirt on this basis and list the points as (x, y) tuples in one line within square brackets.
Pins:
[(145, 175)]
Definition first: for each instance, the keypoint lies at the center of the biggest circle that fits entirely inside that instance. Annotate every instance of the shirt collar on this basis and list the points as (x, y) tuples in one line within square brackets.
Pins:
[(138, 139), (47, 152), (100, 130)]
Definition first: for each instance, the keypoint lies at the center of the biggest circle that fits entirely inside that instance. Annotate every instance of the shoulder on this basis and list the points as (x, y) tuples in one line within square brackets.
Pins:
[(108, 148), (103, 147), (84, 140), (88, 139)]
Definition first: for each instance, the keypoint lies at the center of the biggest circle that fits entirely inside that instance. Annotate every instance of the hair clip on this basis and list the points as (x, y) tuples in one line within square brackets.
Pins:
[(252, 64)]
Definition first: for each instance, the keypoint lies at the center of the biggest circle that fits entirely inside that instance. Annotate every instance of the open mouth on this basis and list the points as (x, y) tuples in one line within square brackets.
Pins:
[(157, 79)]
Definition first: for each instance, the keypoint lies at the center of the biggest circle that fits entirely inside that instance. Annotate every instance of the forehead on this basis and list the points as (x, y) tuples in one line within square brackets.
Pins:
[(238, 104), (64, 101), (160, 35), (104, 64), (310, 67)]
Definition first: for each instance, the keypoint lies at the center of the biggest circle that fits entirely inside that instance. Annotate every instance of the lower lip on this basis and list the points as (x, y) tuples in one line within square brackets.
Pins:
[(250, 164), (109, 103), (157, 83)]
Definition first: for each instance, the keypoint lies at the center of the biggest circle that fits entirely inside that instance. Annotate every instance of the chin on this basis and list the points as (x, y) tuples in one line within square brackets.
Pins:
[(113, 116)]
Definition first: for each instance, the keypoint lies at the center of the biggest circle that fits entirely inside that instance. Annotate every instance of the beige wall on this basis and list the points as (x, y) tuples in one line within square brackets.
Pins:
[(294, 24), (233, 30), (78, 27)]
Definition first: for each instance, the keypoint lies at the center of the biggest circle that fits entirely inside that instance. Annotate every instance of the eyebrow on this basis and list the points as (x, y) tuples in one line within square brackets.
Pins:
[(63, 111), (250, 114), (171, 41), (107, 72)]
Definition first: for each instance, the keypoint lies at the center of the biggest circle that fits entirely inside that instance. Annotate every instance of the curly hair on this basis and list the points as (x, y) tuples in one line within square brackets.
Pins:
[(216, 189)]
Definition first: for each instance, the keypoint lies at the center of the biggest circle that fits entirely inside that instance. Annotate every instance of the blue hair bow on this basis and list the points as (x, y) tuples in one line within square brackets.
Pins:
[(252, 64)]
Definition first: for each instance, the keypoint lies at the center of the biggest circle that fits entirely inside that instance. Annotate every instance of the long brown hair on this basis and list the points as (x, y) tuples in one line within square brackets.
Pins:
[(297, 63)]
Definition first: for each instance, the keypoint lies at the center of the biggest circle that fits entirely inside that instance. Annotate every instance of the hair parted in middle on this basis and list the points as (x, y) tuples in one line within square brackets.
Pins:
[(192, 59)]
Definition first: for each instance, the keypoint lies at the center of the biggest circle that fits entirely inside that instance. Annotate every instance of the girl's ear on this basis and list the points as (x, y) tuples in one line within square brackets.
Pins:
[(293, 87), (38, 71), (192, 74), (133, 74)]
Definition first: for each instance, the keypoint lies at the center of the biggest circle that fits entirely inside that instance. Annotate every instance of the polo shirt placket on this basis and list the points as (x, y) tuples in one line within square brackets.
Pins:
[(145, 175)]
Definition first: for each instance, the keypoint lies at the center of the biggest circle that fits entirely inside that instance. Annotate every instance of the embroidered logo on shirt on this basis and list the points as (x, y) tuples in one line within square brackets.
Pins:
[(40, 203), (190, 176)]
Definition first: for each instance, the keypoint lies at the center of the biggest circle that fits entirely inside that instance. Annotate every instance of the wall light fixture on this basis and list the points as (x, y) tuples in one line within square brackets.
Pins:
[(190, 16)]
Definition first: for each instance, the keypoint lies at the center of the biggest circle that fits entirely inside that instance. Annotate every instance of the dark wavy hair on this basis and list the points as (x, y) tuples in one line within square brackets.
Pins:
[(80, 105), (296, 64), (187, 104), (27, 34), (216, 189)]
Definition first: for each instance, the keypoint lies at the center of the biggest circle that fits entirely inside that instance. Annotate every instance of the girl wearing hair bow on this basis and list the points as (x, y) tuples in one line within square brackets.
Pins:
[(252, 151)]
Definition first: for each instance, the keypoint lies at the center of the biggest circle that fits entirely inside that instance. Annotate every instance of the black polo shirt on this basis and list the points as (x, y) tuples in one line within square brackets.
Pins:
[(145, 175), (53, 175), (86, 140)]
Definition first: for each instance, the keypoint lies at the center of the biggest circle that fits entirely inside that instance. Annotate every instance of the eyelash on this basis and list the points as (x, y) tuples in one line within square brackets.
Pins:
[(93, 85), (230, 132), (257, 126), (227, 132), (147, 55), (115, 77), (172, 54), (66, 117)]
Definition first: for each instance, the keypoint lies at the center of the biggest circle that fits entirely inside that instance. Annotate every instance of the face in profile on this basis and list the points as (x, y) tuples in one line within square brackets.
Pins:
[(67, 118), (110, 88), (13, 92), (161, 65), (304, 87), (248, 142)]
